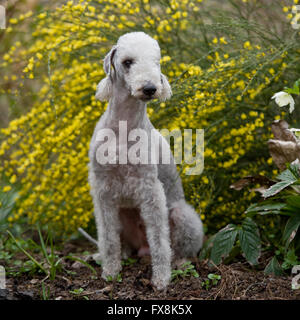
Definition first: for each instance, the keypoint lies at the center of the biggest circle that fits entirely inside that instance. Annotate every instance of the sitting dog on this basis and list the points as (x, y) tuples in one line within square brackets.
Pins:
[(137, 206)]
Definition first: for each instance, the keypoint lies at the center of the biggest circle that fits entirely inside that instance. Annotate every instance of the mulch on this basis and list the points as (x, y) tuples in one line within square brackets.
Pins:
[(239, 281)]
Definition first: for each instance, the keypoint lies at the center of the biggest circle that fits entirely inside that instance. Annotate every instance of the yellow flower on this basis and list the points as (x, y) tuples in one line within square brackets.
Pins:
[(285, 9), (6, 188), (247, 45), (13, 179), (205, 180), (223, 40), (39, 55)]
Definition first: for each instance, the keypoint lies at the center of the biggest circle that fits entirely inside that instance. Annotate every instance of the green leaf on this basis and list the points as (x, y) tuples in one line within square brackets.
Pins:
[(290, 174), (213, 276), (291, 226), (270, 208), (287, 177), (81, 261), (294, 90), (290, 260), (273, 267), (223, 243), (250, 241), (275, 188), (295, 169), (206, 248), (294, 201), (293, 205)]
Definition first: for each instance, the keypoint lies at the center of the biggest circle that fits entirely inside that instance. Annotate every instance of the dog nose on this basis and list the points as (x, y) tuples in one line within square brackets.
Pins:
[(149, 90)]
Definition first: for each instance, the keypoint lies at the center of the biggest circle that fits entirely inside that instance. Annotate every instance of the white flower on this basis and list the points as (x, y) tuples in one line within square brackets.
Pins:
[(282, 99)]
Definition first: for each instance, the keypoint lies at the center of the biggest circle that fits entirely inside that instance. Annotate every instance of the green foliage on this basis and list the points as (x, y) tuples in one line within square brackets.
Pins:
[(223, 243), (33, 260), (187, 269), (287, 178), (7, 204), (295, 89), (212, 280), (128, 262), (70, 257), (274, 268), (249, 242), (290, 260), (77, 291), (44, 259), (284, 203), (45, 294), (118, 278), (224, 64)]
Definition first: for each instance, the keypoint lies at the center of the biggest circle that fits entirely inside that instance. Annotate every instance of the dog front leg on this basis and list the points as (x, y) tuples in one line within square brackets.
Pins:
[(155, 215), (108, 226)]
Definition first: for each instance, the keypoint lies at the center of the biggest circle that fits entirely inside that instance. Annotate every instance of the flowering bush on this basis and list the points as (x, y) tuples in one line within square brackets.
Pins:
[(223, 65)]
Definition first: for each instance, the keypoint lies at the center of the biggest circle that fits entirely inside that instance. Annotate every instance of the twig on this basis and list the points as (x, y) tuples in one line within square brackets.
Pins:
[(87, 236)]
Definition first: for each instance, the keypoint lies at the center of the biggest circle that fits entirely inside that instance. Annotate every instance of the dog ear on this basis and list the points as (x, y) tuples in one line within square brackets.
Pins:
[(166, 92), (108, 61), (104, 87)]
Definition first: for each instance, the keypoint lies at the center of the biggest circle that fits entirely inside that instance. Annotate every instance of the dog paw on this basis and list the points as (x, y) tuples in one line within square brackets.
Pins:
[(111, 272), (160, 283), (161, 279)]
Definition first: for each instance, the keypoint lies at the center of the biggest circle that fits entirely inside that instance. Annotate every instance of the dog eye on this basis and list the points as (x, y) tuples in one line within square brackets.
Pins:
[(127, 63)]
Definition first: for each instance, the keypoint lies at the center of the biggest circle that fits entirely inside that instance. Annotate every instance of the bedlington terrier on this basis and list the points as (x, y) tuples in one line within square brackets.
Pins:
[(137, 206)]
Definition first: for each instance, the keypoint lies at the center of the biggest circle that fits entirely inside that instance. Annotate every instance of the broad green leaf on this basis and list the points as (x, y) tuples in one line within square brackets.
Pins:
[(290, 260), (289, 175), (206, 248), (293, 205), (294, 201), (266, 208), (250, 241), (291, 226), (294, 90), (275, 188), (273, 267), (295, 169), (223, 243), (233, 253)]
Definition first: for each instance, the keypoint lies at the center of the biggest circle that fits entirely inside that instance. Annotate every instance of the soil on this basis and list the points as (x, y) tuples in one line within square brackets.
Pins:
[(239, 281)]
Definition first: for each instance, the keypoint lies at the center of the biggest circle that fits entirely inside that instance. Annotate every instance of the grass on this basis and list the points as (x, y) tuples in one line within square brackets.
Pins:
[(42, 257)]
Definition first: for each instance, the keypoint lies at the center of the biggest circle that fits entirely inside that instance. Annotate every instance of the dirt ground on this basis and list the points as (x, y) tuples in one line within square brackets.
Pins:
[(238, 282)]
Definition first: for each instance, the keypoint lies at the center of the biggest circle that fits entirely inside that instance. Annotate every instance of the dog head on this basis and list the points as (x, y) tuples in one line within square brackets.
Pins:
[(135, 63)]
